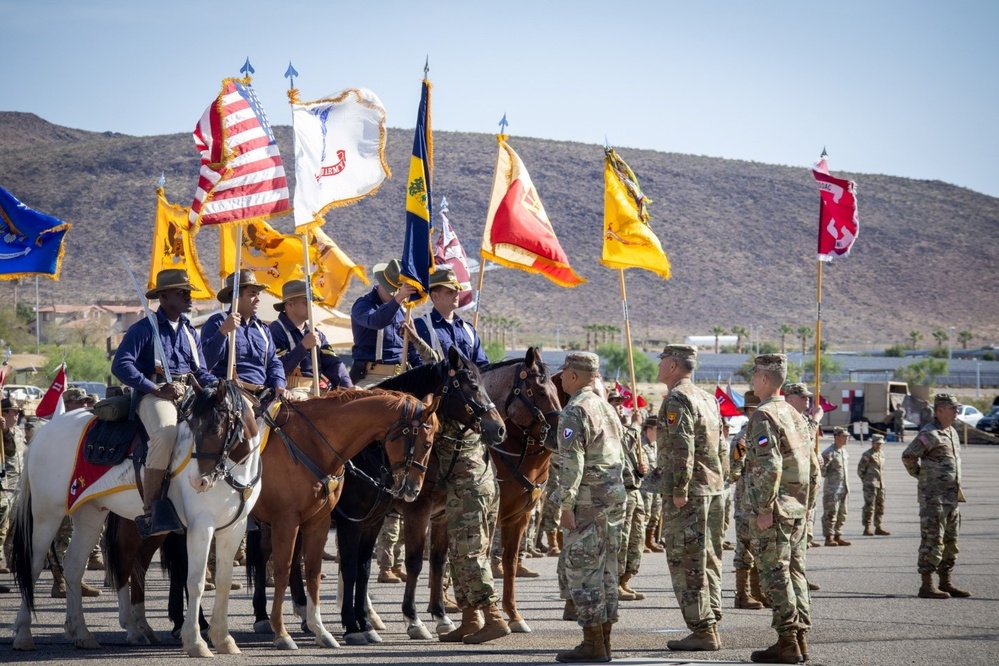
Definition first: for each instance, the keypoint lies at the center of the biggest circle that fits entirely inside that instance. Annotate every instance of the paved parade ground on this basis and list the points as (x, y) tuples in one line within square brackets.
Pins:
[(867, 611)]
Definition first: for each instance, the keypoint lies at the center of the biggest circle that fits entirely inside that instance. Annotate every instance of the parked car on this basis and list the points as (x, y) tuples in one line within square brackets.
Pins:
[(990, 422), (969, 415), (25, 396)]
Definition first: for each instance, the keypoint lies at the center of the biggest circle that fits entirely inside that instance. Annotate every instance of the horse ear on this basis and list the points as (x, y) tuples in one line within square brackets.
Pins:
[(530, 356), (453, 357), (431, 403), (221, 390), (194, 382)]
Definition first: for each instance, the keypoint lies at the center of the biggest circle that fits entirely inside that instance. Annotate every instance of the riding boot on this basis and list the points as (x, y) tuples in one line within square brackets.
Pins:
[(569, 611), (590, 650), (929, 590), (470, 623), (946, 586), (553, 544), (744, 599), (754, 586), (159, 515), (625, 586), (650, 542), (494, 627), (784, 651)]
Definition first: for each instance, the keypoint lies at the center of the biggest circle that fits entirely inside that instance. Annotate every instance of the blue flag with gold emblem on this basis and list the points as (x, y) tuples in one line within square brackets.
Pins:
[(417, 251), (30, 242)]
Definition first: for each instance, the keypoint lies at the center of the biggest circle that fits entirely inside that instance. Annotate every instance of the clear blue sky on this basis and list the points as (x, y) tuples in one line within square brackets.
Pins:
[(906, 88)]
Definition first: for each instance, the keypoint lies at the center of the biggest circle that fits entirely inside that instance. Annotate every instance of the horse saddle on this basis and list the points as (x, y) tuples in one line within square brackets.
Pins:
[(108, 443)]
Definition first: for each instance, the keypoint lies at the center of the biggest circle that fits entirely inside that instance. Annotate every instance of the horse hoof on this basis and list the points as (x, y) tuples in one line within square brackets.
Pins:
[(419, 632), (227, 646), (444, 626), (325, 640), (519, 627), (140, 639), (89, 643), (355, 638), (262, 627), (25, 645), (285, 643), (200, 651), (372, 636)]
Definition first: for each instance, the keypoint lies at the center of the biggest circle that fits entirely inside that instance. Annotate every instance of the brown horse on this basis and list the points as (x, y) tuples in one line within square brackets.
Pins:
[(303, 464), (530, 411)]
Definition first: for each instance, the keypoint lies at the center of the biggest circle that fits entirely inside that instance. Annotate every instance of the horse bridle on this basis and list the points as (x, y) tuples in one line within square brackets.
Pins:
[(538, 418), (452, 386)]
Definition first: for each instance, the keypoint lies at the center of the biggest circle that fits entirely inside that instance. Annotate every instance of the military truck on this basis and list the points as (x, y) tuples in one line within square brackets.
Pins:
[(864, 402)]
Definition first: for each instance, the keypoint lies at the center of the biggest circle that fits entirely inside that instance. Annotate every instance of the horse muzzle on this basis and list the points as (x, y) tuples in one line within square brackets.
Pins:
[(202, 483), (494, 432)]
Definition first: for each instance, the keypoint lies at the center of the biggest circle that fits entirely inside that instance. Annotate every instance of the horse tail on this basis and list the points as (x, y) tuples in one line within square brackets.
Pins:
[(173, 555), (112, 533), (254, 555), (23, 537)]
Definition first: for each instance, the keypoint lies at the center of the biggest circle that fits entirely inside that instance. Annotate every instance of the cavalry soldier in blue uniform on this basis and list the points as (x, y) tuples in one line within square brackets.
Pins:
[(441, 328)]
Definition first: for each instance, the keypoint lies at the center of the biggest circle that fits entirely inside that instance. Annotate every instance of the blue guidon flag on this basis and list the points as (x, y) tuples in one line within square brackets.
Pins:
[(30, 242), (417, 252)]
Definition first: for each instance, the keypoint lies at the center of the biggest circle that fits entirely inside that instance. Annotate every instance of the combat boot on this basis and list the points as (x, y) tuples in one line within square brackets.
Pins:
[(524, 572), (58, 583), (494, 627), (840, 541), (387, 575), (812, 587), (830, 541), (946, 586), (867, 531), (624, 585), (569, 611), (702, 640), (754, 586), (744, 599), (803, 645), (96, 561), (497, 567), (650, 542), (470, 623), (878, 531), (450, 605), (784, 651), (399, 572), (606, 627), (929, 590), (590, 650), (553, 544)]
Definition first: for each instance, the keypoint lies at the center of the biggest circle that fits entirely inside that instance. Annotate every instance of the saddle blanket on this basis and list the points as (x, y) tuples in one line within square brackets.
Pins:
[(90, 481)]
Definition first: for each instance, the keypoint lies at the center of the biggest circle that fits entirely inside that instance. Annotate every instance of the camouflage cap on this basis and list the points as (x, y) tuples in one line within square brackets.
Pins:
[(651, 422), (877, 439), (945, 400), (840, 430), (771, 363), (74, 394), (582, 362), (679, 351), (797, 388)]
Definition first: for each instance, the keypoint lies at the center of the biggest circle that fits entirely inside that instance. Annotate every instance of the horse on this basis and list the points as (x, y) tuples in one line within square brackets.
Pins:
[(217, 440), (531, 411), (361, 513), (304, 462)]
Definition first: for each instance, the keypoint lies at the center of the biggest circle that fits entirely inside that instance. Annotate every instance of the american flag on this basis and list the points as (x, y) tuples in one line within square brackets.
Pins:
[(242, 176)]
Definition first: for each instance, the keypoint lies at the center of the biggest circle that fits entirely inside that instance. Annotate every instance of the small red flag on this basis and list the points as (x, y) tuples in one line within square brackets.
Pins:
[(725, 404), (826, 405), (626, 394), (838, 222), (51, 404)]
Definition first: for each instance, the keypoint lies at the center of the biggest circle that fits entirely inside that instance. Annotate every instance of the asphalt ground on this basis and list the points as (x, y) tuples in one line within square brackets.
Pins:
[(867, 611)]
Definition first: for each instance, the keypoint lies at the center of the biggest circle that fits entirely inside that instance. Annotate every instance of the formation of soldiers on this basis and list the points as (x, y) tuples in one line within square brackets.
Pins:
[(617, 479)]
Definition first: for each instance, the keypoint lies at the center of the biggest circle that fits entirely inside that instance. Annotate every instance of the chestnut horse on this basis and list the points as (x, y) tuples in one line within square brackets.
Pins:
[(304, 461), (531, 411)]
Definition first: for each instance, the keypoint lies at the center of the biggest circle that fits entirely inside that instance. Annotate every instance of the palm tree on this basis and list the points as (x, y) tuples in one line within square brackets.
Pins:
[(718, 331), (784, 331), (804, 333), (940, 336), (514, 325), (739, 332), (914, 338), (964, 337)]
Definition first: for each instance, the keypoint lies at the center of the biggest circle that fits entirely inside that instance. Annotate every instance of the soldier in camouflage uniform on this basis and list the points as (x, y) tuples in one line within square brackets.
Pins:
[(653, 500), (593, 498), (633, 533), (10, 470), (550, 511), (777, 471), (692, 465), (748, 595), (934, 457), (871, 470), (835, 466), (798, 396), (390, 550)]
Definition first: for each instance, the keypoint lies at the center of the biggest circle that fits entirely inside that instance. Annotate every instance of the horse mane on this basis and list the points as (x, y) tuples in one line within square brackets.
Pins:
[(345, 396), (416, 380)]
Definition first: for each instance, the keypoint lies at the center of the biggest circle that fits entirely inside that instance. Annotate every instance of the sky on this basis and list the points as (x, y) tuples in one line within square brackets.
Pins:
[(903, 88)]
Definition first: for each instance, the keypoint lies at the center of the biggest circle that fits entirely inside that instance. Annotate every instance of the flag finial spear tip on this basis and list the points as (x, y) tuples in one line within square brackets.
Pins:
[(247, 68), (290, 74), (503, 123), (162, 181), (426, 66), (824, 153), (443, 204)]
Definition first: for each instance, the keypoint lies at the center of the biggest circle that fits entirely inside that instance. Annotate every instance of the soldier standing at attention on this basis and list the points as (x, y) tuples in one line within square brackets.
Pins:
[(692, 466), (777, 472), (835, 463), (632, 533), (593, 499), (798, 396), (136, 366), (10, 470), (653, 500), (934, 457), (871, 470), (748, 595), (898, 423)]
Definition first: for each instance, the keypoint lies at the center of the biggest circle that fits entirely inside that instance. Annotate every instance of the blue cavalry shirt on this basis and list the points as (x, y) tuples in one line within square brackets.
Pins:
[(293, 355), (368, 316), (456, 333), (135, 361), (256, 360)]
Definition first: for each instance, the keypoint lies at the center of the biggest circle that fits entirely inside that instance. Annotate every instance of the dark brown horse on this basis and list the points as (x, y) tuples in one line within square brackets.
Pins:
[(304, 463), (531, 411)]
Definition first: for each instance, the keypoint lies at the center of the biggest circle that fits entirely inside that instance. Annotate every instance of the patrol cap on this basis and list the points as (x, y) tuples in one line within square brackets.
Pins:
[(797, 388), (247, 278), (74, 394), (582, 362), (679, 351), (388, 275), (771, 363), (945, 400), (651, 422), (751, 399), (839, 430), (445, 277), (877, 439)]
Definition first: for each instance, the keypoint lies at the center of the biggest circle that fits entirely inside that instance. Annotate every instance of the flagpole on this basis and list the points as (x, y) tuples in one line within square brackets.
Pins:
[(230, 372), (631, 360), (818, 346), (308, 298), (478, 291)]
